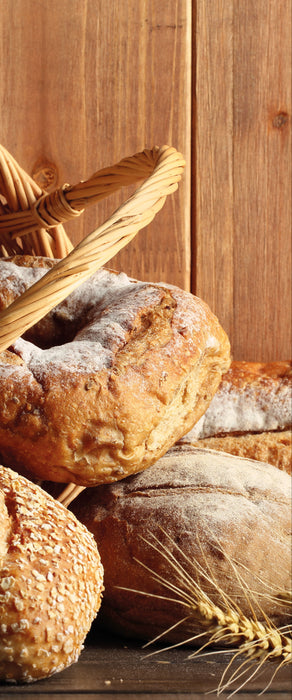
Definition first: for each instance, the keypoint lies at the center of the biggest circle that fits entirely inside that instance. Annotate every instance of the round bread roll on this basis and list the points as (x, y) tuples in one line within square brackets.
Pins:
[(109, 380), (208, 509), (250, 414), (51, 580)]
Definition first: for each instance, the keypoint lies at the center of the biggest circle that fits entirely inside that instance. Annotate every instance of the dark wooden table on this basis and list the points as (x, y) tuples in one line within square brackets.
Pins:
[(111, 668)]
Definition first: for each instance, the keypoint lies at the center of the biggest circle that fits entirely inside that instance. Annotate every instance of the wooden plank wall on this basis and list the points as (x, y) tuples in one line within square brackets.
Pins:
[(86, 82), (241, 177)]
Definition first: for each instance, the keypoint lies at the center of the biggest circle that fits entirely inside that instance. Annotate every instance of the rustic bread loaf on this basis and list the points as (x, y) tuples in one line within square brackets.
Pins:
[(109, 380), (272, 447), (205, 507), (250, 414), (51, 580)]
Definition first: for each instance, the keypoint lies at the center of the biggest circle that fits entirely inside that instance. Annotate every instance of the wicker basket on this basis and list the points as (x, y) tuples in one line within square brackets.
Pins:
[(31, 222)]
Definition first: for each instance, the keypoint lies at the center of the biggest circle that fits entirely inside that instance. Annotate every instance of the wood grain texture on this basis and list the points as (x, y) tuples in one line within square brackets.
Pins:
[(241, 174), (111, 668), (262, 173), (85, 83), (212, 181)]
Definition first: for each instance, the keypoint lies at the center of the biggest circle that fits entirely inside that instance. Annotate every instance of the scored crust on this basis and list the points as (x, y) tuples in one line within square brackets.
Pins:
[(202, 505), (138, 367), (51, 580)]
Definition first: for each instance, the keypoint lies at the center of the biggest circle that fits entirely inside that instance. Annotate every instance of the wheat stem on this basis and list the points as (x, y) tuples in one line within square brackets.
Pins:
[(259, 641)]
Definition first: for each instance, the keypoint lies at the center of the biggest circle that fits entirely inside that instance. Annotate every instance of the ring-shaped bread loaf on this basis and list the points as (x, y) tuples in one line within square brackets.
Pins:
[(51, 580), (109, 380)]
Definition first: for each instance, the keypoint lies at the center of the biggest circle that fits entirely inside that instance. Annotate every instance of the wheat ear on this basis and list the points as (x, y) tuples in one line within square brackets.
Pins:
[(225, 623)]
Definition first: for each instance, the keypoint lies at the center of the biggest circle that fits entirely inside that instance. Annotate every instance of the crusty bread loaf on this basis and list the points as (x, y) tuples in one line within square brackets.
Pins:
[(250, 414), (201, 505), (109, 380), (51, 580), (272, 447)]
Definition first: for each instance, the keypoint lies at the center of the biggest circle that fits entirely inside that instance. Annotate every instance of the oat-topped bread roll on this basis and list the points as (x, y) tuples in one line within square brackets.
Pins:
[(51, 580), (205, 507), (109, 380), (250, 414)]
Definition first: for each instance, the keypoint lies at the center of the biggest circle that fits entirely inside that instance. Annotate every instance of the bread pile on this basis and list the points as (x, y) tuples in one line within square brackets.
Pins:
[(101, 393)]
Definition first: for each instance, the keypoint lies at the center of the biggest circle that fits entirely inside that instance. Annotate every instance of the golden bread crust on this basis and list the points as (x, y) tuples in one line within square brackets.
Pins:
[(51, 580), (197, 503), (139, 365), (243, 373), (272, 447)]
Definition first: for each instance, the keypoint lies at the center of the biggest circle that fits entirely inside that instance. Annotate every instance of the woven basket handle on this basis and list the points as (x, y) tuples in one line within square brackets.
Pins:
[(162, 166), (68, 202)]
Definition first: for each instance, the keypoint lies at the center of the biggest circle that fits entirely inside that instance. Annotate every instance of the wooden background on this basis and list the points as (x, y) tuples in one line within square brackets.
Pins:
[(87, 82)]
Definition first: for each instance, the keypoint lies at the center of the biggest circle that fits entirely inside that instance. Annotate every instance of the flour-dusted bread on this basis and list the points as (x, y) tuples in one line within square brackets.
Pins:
[(250, 414), (203, 506), (109, 380), (51, 581)]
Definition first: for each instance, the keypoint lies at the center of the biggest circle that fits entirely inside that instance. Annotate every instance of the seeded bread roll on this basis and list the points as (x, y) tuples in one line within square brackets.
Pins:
[(109, 380), (203, 506), (51, 581), (250, 414)]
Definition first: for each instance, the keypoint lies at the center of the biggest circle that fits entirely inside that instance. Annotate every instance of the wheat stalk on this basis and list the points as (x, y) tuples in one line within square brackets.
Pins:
[(258, 641)]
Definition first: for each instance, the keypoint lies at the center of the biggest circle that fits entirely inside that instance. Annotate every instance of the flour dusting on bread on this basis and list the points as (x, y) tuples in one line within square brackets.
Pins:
[(117, 358), (251, 398)]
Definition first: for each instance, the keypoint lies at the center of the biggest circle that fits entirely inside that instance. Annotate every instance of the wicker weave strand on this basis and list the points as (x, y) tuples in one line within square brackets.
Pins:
[(53, 209), (20, 192), (103, 243), (88, 192)]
